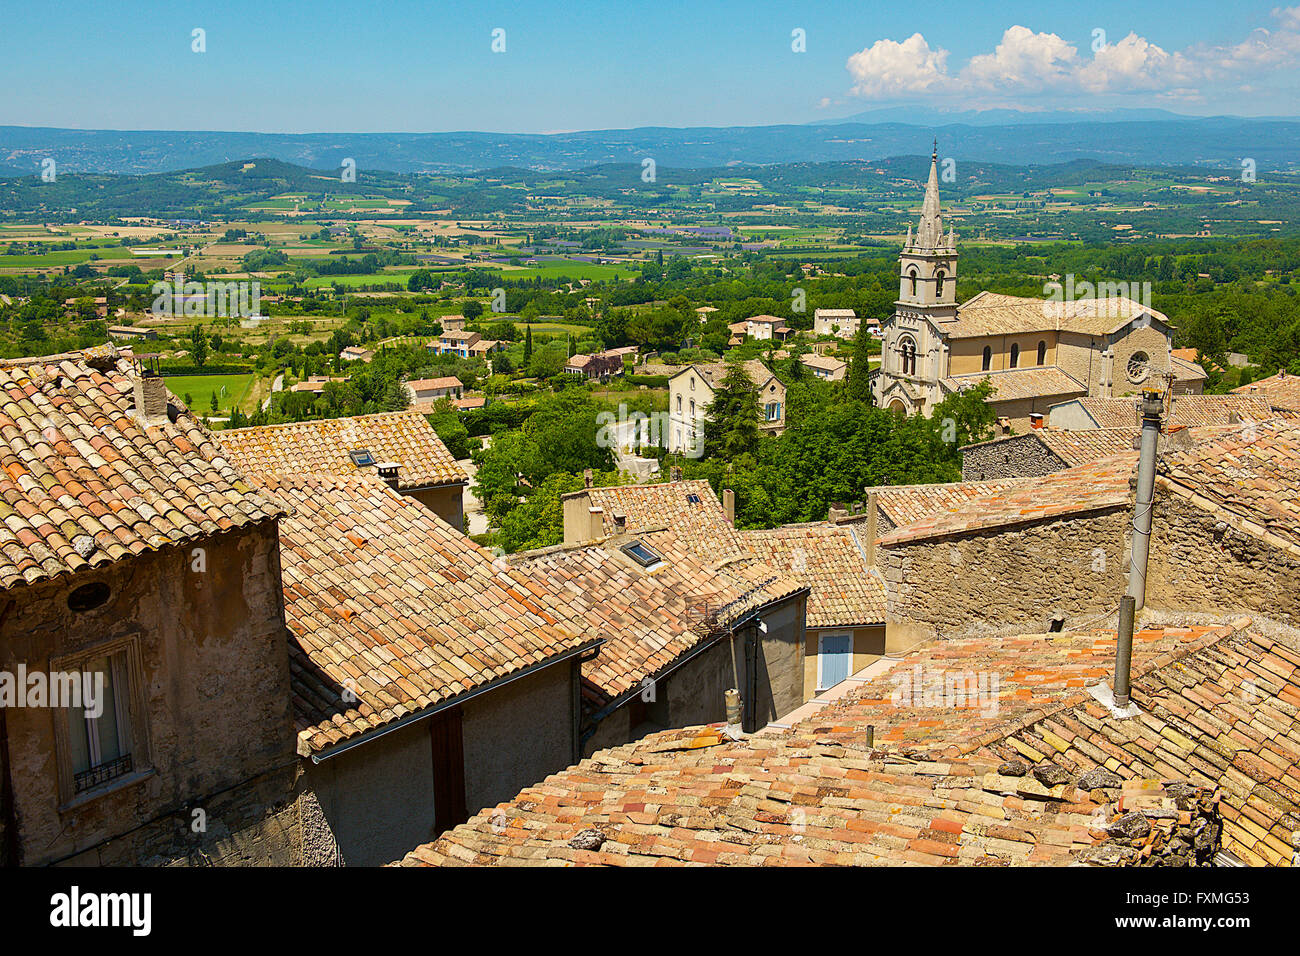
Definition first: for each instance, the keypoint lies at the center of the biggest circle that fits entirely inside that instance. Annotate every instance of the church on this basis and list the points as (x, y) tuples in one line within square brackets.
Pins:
[(1036, 352)]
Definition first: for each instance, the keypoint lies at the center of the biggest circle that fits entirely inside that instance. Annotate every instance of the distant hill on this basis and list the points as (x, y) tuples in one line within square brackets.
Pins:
[(1145, 137)]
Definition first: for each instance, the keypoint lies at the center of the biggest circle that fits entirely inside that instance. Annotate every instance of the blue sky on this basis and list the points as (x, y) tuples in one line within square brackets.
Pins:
[(325, 66)]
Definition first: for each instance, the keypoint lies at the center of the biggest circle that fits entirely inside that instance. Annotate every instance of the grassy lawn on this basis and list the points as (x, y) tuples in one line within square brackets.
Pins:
[(201, 387)]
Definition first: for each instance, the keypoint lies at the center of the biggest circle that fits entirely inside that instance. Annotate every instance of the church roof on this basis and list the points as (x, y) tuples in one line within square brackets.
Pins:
[(991, 313)]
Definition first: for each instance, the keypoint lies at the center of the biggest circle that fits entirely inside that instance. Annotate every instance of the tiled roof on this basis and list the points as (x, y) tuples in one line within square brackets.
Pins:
[(829, 559), (425, 384), (1075, 447), (714, 372), (1281, 391), (1019, 383), (903, 504), (77, 469), (1185, 370), (386, 601), (701, 524), (322, 447), (1104, 483), (991, 313), (936, 785), (1185, 410), (1251, 471), (823, 362), (648, 617), (1071, 446)]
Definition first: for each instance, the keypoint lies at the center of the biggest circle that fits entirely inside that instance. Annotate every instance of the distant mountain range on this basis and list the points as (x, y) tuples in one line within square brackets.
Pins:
[(1140, 137)]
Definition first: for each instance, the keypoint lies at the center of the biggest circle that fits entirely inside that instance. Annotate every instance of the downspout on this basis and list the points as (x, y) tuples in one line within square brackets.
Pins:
[(1152, 411)]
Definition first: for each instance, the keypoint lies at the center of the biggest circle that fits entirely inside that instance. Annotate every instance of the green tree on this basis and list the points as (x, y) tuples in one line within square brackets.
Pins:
[(857, 383), (731, 426), (199, 346)]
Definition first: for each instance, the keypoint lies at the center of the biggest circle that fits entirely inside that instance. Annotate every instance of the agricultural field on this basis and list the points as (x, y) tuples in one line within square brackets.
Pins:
[(231, 390)]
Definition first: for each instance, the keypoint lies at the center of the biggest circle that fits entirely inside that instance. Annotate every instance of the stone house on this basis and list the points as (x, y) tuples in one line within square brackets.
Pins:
[(434, 389), (1041, 451), (846, 600), (134, 552), (400, 446), (1037, 353), (355, 353), (1281, 391), (425, 684), (691, 391), (841, 323), (825, 368), (763, 328), (601, 366), (720, 615), (455, 342)]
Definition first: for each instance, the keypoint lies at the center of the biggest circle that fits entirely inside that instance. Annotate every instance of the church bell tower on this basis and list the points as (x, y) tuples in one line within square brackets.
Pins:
[(927, 266)]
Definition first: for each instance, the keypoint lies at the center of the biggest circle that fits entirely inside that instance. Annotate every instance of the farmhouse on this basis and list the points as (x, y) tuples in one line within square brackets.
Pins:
[(825, 368), (433, 389), (842, 323), (691, 391)]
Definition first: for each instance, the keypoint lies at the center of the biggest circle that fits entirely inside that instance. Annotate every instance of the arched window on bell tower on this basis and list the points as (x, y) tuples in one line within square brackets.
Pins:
[(907, 348), (939, 278), (911, 274)]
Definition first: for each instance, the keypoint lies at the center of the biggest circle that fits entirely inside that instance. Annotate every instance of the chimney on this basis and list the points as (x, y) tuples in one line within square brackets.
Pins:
[(1152, 408), (1124, 651), (586, 478), (596, 528), (1036, 420), (836, 511), (675, 473), (387, 470), (150, 399), (729, 504), (620, 522)]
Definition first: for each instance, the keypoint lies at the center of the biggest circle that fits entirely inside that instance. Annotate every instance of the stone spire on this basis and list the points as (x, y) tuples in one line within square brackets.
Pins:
[(929, 234)]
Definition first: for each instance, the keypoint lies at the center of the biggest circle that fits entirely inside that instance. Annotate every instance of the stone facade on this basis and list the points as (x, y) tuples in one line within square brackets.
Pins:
[(1021, 456), (1199, 560), (194, 629), (1005, 578)]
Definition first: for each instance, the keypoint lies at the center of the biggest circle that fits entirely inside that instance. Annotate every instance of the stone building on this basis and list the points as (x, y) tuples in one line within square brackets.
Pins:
[(133, 551), (1181, 411), (846, 599), (1037, 353), (660, 571), (1041, 451), (841, 323), (401, 446), (425, 684), (691, 391)]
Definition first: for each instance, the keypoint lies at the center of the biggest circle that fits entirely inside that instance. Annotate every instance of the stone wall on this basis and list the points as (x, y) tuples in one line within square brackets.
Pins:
[(1024, 456), (204, 636), (1200, 561), (1010, 578)]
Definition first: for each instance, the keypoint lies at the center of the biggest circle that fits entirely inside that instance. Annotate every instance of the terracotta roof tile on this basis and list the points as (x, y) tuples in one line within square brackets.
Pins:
[(322, 447), (648, 617), (1186, 410), (77, 468), (1020, 383), (928, 789), (828, 558), (387, 603), (702, 523), (1281, 391), (1104, 483)]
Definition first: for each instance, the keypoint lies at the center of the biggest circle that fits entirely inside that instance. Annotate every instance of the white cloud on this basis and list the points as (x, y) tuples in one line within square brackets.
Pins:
[(888, 68), (1025, 62)]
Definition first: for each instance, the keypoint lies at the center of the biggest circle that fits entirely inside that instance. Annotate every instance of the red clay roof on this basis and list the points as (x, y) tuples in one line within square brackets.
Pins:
[(648, 617), (388, 602), (82, 484), (828, 559), (930, 788), (322, 447), (1104, 483)]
